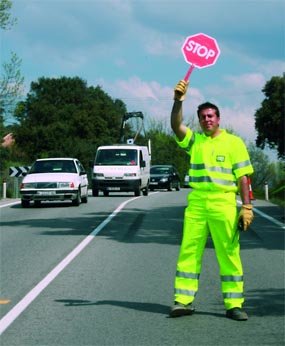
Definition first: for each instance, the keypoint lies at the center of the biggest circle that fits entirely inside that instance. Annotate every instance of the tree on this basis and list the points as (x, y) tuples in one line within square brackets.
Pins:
[(6, 21), (164, 150), (11, 82), (264, 171), (11, 86), (65, 117), (270, 117)]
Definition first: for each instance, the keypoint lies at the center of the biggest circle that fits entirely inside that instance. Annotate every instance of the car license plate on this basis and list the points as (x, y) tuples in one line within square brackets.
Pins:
[(153, 183), (46, 193), (113, 188)]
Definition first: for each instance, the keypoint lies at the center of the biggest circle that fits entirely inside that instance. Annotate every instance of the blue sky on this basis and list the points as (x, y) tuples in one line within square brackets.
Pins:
[(132, 49)]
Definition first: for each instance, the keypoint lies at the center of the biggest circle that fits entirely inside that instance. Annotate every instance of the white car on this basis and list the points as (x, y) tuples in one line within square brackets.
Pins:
[(55, 179)]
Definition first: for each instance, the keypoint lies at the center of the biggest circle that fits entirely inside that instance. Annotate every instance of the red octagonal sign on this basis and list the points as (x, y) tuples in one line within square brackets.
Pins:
[(200, 50)]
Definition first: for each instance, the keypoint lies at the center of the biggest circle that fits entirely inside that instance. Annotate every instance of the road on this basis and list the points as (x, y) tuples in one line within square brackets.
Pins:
[(103, 273)]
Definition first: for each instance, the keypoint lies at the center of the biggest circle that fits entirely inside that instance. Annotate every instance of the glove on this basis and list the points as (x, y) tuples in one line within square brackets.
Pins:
[(180, 90), (245, 217)]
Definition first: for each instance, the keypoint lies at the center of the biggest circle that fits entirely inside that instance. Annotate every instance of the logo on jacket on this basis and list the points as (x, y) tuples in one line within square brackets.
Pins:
[(220, 158)]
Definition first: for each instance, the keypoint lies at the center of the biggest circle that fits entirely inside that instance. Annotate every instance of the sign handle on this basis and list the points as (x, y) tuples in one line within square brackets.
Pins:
[(191, 68)]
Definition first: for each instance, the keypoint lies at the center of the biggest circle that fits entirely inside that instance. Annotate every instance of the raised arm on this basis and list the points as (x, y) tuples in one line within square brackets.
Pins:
[(176, 114)]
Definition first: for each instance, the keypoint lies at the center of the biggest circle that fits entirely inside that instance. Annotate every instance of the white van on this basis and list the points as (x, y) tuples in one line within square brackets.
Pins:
[(122, 167)]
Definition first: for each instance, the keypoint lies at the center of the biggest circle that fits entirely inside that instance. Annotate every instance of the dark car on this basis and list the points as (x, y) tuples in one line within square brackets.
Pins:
[(164, 177)]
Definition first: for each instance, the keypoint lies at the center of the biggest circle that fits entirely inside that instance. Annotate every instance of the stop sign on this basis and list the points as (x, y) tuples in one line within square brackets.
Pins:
[(200, 50)]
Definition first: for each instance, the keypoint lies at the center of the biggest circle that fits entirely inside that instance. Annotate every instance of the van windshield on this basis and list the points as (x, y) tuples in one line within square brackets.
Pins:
[(116, 157)]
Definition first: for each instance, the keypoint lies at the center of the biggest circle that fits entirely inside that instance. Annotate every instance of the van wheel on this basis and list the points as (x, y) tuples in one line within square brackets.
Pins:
[(145, 191), (137, 191)]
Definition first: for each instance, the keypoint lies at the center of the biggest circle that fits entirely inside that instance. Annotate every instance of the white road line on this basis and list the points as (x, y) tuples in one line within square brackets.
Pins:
[(10, 317), (9, 204), (278, 223)]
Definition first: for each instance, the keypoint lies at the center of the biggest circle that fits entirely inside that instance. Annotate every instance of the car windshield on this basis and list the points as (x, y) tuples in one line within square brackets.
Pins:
[(160, 170), (116, 157), (53, 166)]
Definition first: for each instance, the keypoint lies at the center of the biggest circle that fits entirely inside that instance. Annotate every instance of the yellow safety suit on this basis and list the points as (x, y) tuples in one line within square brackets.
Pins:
[(215, 166)]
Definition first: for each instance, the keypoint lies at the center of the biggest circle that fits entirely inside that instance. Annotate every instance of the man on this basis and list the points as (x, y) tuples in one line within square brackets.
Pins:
[(219, 166)]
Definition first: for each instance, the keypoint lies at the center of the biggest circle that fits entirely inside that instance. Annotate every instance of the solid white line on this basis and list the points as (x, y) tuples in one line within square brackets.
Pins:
[(8, 204), (278, 223), (10, 317)]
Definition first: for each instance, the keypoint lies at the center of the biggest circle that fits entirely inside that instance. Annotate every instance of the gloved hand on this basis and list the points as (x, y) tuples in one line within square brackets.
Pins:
[(180, 90), (245, 217)]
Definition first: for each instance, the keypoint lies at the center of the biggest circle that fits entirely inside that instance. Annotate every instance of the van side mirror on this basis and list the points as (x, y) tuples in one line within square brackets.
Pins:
[(143, 164)]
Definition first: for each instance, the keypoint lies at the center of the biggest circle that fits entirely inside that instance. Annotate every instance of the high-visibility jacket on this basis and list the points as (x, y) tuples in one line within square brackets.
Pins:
[(215, 166), (216, 163)]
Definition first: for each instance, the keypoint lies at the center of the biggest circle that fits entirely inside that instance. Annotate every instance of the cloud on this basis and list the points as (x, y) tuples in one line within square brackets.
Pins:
[(240, 120)]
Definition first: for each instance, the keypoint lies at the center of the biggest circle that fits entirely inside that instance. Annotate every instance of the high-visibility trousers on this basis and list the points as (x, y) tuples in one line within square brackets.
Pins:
[(214, 212)]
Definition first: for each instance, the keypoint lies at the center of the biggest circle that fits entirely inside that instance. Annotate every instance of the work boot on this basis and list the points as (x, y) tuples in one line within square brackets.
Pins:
[(179, 310), (237, 314)]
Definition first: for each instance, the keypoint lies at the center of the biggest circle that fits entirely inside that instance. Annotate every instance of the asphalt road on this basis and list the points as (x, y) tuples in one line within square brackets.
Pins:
[(90, 276)]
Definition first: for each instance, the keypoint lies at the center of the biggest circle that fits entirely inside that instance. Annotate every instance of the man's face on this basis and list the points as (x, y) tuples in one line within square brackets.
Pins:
[(209, 121)]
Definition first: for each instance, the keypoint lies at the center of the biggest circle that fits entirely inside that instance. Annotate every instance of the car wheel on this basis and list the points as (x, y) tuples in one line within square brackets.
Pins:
[(95, 192), (37, 204), (170, 187), (178, 186), (106, 193), (25, 203), (84, 199), (77, 200)]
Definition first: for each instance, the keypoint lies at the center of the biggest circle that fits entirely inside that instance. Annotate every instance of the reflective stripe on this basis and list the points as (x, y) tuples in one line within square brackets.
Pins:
[(185, 292), (232, 295), (187, 275), (208, 179), (241, 164), (199, 166), (234, 278), (190, 143)]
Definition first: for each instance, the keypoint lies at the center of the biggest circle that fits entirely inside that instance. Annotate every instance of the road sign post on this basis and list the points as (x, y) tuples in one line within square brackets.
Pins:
[(200, 51)]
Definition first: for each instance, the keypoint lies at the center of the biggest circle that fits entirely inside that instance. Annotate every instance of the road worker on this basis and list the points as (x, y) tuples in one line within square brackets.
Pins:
[(219, 166)]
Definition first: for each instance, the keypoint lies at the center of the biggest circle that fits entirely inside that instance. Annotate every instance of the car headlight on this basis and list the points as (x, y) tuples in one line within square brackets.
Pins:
[(164, 180), (28, 185), (63, 185), (130, 174)]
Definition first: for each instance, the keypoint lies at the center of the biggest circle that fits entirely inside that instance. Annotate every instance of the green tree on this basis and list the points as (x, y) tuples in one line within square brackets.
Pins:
[(6, 20), (65, 117), (11, 86), (11, 81), (270, 117), (264, 170), (164, 149)]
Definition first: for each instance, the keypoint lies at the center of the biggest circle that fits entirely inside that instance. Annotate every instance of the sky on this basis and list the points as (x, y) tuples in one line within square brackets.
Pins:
[(132, 49)]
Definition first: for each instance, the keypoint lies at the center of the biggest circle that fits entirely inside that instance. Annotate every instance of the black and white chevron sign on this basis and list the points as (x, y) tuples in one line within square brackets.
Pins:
[(18, 171)]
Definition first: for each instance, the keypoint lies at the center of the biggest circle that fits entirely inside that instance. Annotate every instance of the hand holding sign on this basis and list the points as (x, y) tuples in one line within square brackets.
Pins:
[(200, 51), (180, 90)]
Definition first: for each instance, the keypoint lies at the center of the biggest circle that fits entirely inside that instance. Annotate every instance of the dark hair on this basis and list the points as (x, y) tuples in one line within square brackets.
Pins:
[(208, 105)]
